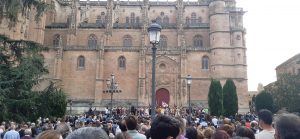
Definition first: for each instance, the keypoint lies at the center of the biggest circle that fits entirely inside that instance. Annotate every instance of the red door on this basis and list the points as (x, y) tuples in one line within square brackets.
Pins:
[(162, 96)]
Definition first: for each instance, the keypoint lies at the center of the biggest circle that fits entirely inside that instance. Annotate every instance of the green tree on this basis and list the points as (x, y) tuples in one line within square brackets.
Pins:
[(264, 100), (285, 92), (230, 99), (215, 98), (10, 9), (21, 68)]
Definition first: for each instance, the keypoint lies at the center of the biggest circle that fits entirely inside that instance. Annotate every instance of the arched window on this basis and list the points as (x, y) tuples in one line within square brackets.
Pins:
[(122, 62), (132, 18), (81, 62), (158, 20), (205, 62), (198, 42), (56, 40), (166, 20), (193, 18), (92, 42), (187, 20), (137, 20), (99, 20), (127, 41), (163, 42)]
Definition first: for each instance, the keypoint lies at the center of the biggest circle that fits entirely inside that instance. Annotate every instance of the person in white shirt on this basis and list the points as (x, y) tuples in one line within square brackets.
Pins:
[(265, 122)]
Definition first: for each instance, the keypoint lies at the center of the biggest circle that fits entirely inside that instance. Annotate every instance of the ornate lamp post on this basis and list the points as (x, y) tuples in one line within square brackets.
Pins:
[(189, 82), (112, 87), (154, 34)]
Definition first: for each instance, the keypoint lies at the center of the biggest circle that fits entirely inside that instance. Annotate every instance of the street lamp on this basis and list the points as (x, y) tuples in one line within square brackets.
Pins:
[(112, 87), (189, 82), (154, 35)]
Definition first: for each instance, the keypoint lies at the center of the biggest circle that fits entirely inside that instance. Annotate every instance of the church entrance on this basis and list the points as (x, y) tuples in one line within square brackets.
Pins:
[(162, 97)]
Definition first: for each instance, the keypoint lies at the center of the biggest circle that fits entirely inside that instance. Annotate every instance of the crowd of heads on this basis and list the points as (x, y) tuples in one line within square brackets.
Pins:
[(135, 126)]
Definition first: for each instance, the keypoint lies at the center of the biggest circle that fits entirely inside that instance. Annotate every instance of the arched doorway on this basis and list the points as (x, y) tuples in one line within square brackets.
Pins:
[(162, 95)]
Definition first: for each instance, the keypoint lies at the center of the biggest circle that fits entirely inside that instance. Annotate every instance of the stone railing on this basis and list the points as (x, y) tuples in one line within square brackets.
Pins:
[(57, 25), (80, 47), (234, 28), (196, 25), (91, 25), (234, 9)]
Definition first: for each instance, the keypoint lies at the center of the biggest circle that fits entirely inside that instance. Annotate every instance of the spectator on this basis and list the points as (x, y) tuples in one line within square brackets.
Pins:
[(131, 124), (191, 133), (164, 127), (63, 129), (27, 134), (220, 134), (288, 127), (88, 133), (123, 134), (265, 122), (228, 128), (182, 127), (12, 133), (49, 134), (208, 132), (243, 131)]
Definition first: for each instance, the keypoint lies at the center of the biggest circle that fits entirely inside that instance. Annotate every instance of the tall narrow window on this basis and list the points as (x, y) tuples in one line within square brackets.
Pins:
[(132, 18), (198, 42), (205, 62), (166, 20), (56, 40), (122, 62), (92, 42), (127, 41), (99, 21), (80, 62), (163, 41), (137, 20), (193, 18), (200, 20)]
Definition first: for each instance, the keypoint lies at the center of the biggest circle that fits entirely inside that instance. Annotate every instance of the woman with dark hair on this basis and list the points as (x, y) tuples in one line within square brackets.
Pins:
[(123, 134), (242, 131)]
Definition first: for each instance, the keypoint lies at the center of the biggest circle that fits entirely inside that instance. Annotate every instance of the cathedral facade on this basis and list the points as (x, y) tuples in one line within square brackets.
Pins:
[(90, 40)]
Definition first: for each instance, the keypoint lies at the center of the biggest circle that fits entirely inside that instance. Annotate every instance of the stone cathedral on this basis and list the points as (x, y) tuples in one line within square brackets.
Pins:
[(90, 40)]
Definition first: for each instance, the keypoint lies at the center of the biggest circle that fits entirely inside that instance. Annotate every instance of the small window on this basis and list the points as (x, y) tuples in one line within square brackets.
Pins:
[(163, 41), (122, 62), (127, 41), (81, 62), (162, 13), (198, 42), (92, 42), (238, 37), (205, 62), (187, 20), (56, 40)]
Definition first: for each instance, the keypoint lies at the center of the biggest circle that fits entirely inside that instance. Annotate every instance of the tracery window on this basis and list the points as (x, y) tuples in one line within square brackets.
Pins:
[(158, 20), (127, 19), (193, 18), (56, 40), (80, 62), (199, 19), (122, 62), (187, 20), (205, 62), (132, 18), (163, 42), (99, 20), (92, 42), (137, 20), (127, 41), (198, 42), (166, 20)]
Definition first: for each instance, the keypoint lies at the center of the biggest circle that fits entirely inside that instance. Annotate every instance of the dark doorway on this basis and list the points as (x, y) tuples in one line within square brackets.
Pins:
[(162, 96)]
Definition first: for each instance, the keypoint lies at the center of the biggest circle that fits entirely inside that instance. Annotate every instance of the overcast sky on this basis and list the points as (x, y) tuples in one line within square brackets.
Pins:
[(273, 28)]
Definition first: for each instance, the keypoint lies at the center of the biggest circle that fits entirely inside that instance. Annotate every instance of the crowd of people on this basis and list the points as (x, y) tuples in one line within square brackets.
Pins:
[(137, 124)]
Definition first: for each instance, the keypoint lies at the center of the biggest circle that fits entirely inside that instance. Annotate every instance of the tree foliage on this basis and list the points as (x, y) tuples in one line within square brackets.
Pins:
[(215, 98), (230, 99), (264, 100), (22, 68), (10, 9), (286, 92)]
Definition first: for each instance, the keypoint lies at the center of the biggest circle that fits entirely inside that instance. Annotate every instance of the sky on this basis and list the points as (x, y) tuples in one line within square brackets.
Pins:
[(272, 37), (273, 28)]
